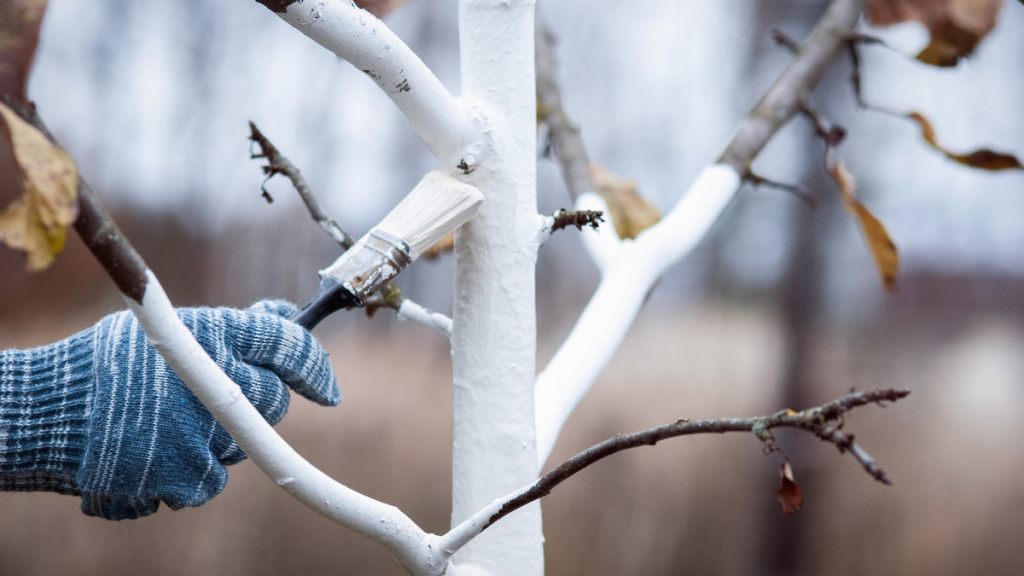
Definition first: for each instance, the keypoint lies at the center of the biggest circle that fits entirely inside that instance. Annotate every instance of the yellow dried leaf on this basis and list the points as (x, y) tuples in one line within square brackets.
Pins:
[(631, 212), (46, 177), (984, 158), (884, 252)]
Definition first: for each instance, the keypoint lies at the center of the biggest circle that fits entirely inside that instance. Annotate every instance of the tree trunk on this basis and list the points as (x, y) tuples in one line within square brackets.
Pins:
[(494, 318)]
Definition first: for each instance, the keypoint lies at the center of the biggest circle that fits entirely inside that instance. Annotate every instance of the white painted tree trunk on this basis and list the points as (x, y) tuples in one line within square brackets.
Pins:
[(494, 320)]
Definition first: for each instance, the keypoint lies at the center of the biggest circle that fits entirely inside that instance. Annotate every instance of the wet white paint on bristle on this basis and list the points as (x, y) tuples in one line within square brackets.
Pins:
[(437, 206)]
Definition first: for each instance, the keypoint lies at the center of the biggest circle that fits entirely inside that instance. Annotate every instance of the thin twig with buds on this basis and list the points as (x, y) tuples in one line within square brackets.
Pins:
[(277, 163), (578, 218), (795, 189), (823, 421)]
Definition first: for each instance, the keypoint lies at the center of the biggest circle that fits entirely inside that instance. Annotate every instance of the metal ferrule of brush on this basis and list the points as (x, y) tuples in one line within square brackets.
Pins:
[(375, 259)]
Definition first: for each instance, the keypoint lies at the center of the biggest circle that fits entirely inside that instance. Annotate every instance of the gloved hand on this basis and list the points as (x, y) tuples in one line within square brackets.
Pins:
[(102, 415)]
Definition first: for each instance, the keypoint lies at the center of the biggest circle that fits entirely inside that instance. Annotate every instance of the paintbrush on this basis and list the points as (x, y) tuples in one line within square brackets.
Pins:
[(438, 205)]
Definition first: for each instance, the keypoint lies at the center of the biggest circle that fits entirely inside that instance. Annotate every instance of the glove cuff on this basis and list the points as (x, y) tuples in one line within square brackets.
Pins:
[(45, 394)]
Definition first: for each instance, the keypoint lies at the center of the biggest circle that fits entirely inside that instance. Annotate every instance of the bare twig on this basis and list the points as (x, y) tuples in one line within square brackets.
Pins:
[(831, 133), (822, 421), (852, 43), (577, 218), (796, 189), (563, 137), (279, 164), (785, 40), (855, 77)]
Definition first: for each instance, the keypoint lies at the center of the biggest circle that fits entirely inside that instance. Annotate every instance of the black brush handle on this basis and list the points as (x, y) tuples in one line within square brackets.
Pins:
[(329, 298)]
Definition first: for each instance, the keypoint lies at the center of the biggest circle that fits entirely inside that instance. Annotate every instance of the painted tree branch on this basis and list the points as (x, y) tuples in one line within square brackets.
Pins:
[(824, 421), (444, 124), (425, 316), (389, 296), (630, 269)]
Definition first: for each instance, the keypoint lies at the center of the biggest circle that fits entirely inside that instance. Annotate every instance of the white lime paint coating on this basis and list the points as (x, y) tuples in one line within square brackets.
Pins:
[(494, 331), (413, 311)]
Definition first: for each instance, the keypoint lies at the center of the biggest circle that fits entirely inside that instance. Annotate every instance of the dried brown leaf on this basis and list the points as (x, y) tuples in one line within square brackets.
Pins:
[(789, 493), (956, 26), (380, 8), (887, 258), (984, 158), (46, 177), (19, 34), (631, 212)]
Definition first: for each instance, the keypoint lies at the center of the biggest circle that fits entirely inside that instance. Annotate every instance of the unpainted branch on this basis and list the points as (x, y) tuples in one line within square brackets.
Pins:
[(794, 189), (982, 158), (277, 163), (578, 218), (823, 421), (785, 40), (563, 137), (788, 94)]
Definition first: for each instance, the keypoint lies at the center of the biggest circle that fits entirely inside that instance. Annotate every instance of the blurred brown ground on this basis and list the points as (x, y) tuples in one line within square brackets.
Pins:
[(689, 505)]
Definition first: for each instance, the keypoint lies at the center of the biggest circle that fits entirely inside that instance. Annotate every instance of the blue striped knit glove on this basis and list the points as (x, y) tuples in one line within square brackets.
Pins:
[(101, 415)]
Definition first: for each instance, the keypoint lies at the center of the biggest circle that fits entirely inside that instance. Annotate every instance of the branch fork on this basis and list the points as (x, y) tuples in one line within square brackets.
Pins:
[(624, 285)]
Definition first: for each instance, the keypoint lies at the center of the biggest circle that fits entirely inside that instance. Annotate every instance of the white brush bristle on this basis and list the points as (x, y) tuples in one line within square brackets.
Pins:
[(436, 206)]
